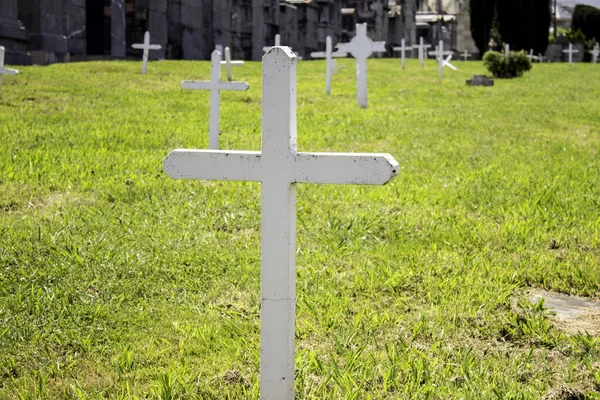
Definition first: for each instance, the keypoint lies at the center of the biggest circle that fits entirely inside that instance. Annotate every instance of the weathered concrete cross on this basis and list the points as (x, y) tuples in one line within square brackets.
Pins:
[(146, 47), (571, 51), (595, 53), (422, 49), (229, 63), (215, 86), (5, 71), (466, 55), (439, 54), (403, 49), (277, 43), (329, 64), (361, 48), (279, 167)]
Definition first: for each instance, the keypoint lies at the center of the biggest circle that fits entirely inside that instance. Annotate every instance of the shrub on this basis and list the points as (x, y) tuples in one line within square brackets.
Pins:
[(501, 67)]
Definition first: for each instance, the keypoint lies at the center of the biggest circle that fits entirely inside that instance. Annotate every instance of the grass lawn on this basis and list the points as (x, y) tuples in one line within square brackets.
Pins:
[(118, 282)]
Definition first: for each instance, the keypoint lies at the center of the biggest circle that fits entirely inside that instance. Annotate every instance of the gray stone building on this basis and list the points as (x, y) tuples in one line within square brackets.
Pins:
[(48, 31)]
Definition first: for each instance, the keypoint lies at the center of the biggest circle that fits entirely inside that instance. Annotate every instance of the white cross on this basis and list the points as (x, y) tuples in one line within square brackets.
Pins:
[(571, 51), (466, 55), (277, 43), (146, 46), (541, 57), (531, 56), (228, 63), (279, 167), (595, 53), (361, 48), (422, 49), (330, 64), (215, 86), (506, 50), (439, 54), (5, 71), (403, 49)]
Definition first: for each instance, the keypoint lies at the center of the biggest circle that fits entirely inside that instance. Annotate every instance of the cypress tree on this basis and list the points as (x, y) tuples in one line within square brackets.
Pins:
[(482, 14)]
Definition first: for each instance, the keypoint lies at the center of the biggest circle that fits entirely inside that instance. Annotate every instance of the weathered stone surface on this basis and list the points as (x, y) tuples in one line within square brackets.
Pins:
[(480, 80), (75, 27), (117, 28), (45, 23), (13, 35), (158, 26), (573, 314)]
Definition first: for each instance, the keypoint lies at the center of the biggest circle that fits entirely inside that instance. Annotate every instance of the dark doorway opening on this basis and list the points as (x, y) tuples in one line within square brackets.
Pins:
[(97, 27)]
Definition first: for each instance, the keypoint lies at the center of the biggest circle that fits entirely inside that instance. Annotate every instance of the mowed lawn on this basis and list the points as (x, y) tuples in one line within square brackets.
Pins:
[(118, 282)]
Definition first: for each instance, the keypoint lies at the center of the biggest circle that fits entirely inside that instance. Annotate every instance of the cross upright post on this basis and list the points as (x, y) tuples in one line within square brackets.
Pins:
[(595, 52), (403, 49), (361, 48), (439, 54), (571, 51), (215, 86), (531, 56), (329, 61), (422, 49), (279, 167), (5, 71), (506, 50), (146, 47), (277, 43), (229, 63)]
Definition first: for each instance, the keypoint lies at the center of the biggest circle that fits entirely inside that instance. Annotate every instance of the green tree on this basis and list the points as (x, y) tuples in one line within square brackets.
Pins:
[(524, 24), (586, 19), (482, 14)]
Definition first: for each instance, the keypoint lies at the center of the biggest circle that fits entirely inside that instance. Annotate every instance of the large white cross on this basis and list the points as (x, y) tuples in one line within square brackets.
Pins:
[(571, 51), (403, 49), (466, 55), (146, 47), (329, 63), (215, 86), (595, 53), (229, 63), (279, 167), (361, 48), (5, 71), (422, 49), (277, 43), (439, 54)]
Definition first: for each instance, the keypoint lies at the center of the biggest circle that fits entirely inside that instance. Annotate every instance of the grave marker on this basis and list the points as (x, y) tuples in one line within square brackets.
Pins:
[(330, 63), (439, 54), (361, 48), (506, 50), (570, 51), (595, 53), (229, 63), (402, 49), (146, 47), (277, 43), (466, 56), (422, 49), (279, 167), (5, 71), (215, 86), (531, 56)]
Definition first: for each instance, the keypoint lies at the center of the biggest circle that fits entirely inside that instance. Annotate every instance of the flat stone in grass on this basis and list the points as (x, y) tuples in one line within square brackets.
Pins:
[(480, 80), (573, 314)]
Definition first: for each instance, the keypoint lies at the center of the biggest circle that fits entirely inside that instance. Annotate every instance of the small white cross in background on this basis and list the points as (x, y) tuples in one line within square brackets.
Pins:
[(595, 53), (506, 50), (422, 49), (228, 63), (439, 54), (361, 48), (215, 86), (277, 43), (146, 47), (531, 56), (330, 63), (541, 57), (466, 55), (571, 51), (279, 167), (403, 49), (5, 71)]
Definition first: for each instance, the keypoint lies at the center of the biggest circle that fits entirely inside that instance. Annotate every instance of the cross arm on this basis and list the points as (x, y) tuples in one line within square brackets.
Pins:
[(228, 165), (344, 168), (318, 54), (206, 85), (8, 71), (232, 62)]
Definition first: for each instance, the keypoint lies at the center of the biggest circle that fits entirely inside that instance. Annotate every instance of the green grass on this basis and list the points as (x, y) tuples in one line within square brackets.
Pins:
[(118, 282)]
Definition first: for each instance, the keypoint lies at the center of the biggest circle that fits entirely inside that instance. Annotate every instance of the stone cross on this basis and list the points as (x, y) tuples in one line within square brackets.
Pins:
[(439, 54), (422, 49), (330, 65), (361, 48), (228, 63), (403, 49), (531, 56), (5, 71), (571, 51), (506, 50), (146, 46), (215, 86), (466, 55), (277, 43), (279, 167), (595, 53)]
